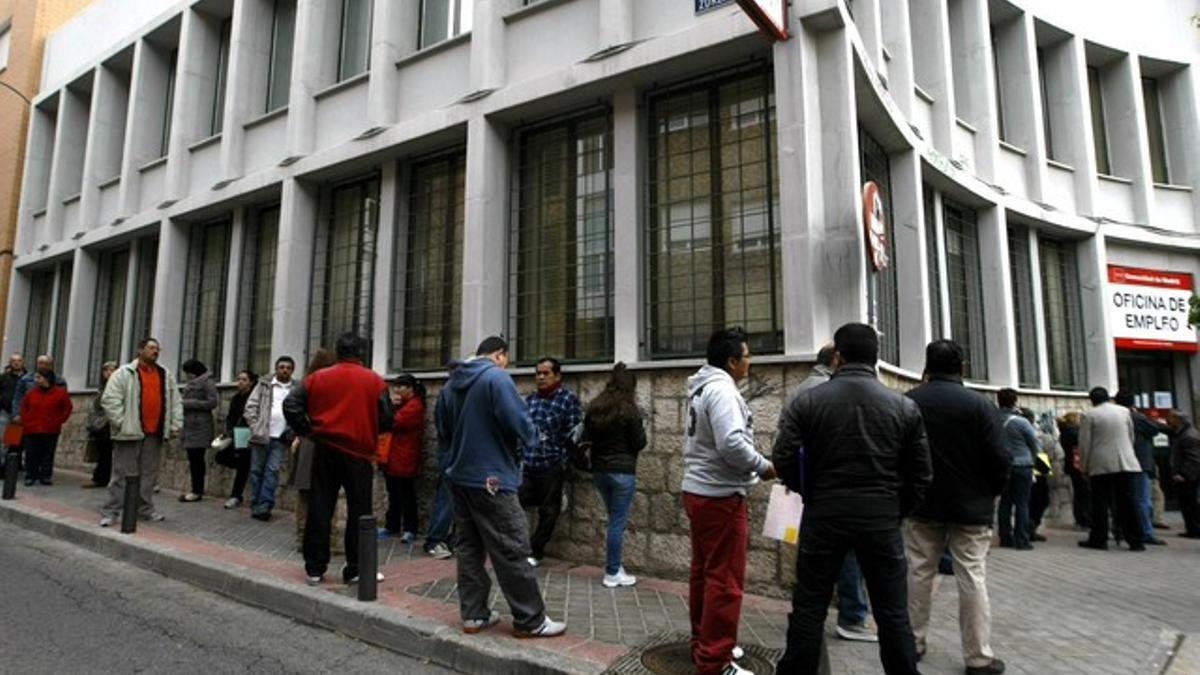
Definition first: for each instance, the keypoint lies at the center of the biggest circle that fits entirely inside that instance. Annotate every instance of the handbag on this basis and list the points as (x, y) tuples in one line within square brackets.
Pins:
[(12, 436), (221, 442), (227, 457), (579, 449)]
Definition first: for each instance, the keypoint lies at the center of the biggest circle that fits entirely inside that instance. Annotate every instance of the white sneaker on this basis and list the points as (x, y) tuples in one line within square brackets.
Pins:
[(549, 628), (857, 633), (533, 562), (354, 579), (232, 503), (439, 551), (473, 626), (734, 669), (737, 653), (106, 521), (619, 579), (314, 580)]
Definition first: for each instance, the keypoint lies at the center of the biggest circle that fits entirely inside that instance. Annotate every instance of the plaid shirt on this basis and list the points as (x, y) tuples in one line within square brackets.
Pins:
[(554, 418)]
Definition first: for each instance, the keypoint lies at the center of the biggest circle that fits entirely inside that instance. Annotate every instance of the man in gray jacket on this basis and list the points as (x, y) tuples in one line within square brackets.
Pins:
[(720, 464), (1106, 455), (269, 435)]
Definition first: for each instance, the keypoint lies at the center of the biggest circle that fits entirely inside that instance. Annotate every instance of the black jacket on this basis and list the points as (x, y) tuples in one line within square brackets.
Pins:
[(970, 461), (1144, 431), (615, 449), (8, 387), (1185, 453), (865, 457)]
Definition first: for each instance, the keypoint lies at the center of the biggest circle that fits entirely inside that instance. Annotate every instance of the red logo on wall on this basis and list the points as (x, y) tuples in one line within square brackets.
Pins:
[(875, 222)]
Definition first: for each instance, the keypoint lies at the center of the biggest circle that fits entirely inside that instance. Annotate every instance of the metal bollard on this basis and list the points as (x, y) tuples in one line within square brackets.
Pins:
[(368, 559), (11, 464), (129, 511)]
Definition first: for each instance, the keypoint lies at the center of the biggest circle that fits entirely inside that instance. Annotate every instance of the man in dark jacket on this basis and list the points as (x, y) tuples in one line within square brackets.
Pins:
[(12, 374), (857, 453), (1185, 467), (342, 409), (1144, 431), (484, 422), (970, 465)]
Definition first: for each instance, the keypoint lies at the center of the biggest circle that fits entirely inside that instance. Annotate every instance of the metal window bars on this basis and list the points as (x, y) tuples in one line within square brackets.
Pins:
[(1021, 266), (256, 297), (41, 307), (143, 293), (204, 294), (1064, 318), (932, 255), (875, 167), (965, 286), (109, 318)]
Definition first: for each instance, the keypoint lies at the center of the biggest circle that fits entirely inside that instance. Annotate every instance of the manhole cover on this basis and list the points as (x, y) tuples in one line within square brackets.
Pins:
[(676, 659)]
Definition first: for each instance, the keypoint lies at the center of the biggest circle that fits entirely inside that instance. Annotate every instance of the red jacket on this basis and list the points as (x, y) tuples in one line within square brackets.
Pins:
[(343, 405), (45, 411), (408, 435)]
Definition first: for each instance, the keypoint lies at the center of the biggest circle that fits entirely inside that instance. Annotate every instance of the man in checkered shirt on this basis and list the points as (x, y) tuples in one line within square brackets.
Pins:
[(555, 411)]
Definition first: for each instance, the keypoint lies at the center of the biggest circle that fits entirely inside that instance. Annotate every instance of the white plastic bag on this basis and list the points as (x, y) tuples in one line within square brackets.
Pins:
[(783, 515)]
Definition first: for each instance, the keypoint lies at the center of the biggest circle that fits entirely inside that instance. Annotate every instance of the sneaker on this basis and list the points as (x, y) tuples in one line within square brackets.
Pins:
[(549, 628), (732, 668), (190, 497), (157, 488), (382, 533), (619, 579), (737, 653), (994, 668), (859, 633), (439, 551), (106, 521), (533, 562), (408, 537), (233, 502), (29, 482), (156, 517), (473, 626), (354, 579), (314, 580)]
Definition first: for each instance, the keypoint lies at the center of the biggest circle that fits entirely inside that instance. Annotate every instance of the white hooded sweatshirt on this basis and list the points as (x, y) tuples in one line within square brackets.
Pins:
[(719, 458)]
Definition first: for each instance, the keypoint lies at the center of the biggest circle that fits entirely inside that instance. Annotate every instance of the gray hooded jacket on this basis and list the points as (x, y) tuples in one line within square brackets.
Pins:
[(719, 458)]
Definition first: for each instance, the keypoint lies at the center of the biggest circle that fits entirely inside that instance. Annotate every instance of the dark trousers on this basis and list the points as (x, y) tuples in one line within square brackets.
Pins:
[(880, 553), (1115, 489), (1188, 507), (1014, 507), (718, 531), (103, 471), (333, 470), (1081, 500), (197, 468), (402, 504), (543, 490), (492, 526), (1039, 501), (241, 472), (39, 455)]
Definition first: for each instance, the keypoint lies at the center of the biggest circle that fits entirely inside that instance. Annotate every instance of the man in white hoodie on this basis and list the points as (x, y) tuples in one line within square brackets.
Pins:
[(720, 464)]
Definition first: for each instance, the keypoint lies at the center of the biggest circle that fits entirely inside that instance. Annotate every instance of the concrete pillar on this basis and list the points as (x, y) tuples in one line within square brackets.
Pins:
[(1021, 86), (897, 39), (910, 259), (485, 228), (143, 130), (80, 315), (314, 64), (69, 156), (53, 231), (18, 311), (1039, 308), (246, 80), (616, 22), (298, 210), (974, 75), (932, 66), (1000, 335), (394, 35), (628, 252), (868, 18), (102, 149), (488, 62), (385, 265), (1098, 339), (1125, 116), (1076, 132), (169, 279), (191, 117)]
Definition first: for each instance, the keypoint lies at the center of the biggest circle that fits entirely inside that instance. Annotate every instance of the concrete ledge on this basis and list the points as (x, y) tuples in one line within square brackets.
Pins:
[(384, 627)]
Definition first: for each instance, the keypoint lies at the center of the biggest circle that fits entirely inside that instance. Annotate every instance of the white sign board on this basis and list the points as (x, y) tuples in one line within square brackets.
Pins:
[(1148, 309)]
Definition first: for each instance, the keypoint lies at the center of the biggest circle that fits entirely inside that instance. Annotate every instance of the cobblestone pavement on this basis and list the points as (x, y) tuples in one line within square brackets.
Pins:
[(1057, 609)]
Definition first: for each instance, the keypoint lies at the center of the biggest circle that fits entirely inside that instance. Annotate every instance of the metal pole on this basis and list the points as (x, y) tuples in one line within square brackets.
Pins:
[(129, 511), (368, 559), (10, 475)]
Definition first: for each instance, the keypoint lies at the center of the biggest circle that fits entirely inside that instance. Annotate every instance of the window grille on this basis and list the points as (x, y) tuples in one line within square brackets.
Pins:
[(713, 241), (204, 294), (1064, 316), (427, 334), (41, 304), (279, 68), (344, 265), (109, 318), (256, 298), (965, 286), (875, 167), (354, 51), (143, 292), (932, 256), (63, 305), (1021, 265), (562, 242)]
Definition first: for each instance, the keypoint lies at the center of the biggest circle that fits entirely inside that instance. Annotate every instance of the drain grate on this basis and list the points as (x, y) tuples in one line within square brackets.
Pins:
[(670, 654)]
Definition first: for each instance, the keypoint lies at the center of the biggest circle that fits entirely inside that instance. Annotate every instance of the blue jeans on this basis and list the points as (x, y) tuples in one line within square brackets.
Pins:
[(441, 515), (264, 474), (1016, 498), (1142, 505), (617, 490), (852, 597)]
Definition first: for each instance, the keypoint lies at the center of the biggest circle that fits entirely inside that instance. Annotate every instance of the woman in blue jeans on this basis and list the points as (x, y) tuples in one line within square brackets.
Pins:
[(613, 430)]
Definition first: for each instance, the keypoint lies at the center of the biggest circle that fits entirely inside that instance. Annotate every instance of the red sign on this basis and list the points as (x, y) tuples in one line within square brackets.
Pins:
[(769, 15), (1149, 309), (875, 222)]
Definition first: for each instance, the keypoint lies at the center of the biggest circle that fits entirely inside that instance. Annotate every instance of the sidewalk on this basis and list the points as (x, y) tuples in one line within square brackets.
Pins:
[(1058, 609)]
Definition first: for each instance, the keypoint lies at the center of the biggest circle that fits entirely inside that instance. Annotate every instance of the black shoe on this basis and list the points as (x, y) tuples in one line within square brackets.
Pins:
[(1155, 541), (29, 482), (1137, 547), (1024, 547), (1088, 543), (996, 666), (1036, 537), (1006, 543), (45, 481), (1190, 535), (261, 515)]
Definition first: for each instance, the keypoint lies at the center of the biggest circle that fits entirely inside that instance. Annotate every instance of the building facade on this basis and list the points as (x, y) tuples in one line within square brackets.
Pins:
[(23, 29)]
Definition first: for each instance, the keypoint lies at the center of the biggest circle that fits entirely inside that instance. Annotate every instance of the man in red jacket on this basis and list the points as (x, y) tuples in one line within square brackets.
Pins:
[(343, 409), (44, 411)]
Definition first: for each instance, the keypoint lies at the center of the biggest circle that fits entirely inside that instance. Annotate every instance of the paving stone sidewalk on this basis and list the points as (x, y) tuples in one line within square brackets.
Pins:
[(1058, 609)]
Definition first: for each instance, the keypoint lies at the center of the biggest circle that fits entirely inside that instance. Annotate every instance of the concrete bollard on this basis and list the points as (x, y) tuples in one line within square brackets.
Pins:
[(11, 464), (368, 559), (129, 510)]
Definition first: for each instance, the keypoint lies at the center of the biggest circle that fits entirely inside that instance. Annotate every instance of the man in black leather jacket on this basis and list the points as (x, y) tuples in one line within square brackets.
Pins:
[(857, 452), (970, 467)]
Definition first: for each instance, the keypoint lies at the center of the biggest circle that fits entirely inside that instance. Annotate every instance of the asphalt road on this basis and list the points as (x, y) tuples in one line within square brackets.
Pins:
[(64, 610)]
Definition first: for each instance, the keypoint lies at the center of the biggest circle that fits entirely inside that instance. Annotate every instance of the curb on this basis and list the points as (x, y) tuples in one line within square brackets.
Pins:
[(1163, 654), (369, 622)]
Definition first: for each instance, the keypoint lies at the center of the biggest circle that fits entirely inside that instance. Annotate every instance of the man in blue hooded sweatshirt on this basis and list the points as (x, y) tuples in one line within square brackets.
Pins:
[(485, 422)]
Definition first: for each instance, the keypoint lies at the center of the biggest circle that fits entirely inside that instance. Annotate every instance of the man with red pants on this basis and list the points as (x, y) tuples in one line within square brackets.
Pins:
[(720, 465)]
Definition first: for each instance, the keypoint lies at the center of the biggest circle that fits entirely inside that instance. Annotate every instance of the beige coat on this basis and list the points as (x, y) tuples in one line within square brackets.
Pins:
[(1106, 441)]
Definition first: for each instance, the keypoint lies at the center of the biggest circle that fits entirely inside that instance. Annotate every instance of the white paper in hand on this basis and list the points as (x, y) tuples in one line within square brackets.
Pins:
[(784, 511)]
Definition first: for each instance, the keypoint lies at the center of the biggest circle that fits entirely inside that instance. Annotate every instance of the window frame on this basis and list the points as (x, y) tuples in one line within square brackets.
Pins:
[(965, 225), (1071, 318), (113, 304), (459, 20), (344, 30), (258, 242), (1020, 259), (280, 87), (1100, 144), (1156, 136), (194, 301), (221, 80)]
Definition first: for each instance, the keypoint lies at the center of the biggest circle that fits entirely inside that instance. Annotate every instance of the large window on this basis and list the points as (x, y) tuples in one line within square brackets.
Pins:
[(1019, 260), (964, 286), (344, 264), (354, 50), (998, 86), (1047, 123), (109, 318), (41, 311), (256, 298), (1154, 131), (218, 112), (1064, 319), (1099, 126), (932, 256), (443, 19), (427, 335), (874, 166), (168, 104), (279, 69), (562, 241), (62, 305), (143, 291), (713, 242), (204, 294)]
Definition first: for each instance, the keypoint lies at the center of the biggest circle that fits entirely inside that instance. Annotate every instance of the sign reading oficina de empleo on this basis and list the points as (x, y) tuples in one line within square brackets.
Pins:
[(1148, 309)]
